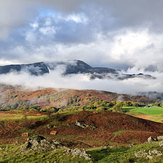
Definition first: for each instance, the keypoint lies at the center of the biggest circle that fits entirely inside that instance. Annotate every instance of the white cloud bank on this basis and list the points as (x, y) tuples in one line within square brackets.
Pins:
[(80, 81)]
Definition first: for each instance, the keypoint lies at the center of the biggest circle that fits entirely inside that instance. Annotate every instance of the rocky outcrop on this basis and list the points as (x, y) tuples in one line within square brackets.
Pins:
[(151, 139), (78, 153), (39, 143), (159, 138), (161, 143), (82, 124), (148, 154)]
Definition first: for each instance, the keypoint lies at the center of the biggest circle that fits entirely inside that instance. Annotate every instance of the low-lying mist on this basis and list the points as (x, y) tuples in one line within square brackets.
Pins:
[(55, 79)]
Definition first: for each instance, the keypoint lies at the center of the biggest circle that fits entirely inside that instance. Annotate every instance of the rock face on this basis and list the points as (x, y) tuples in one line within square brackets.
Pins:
[(78, 152), (39, 143)]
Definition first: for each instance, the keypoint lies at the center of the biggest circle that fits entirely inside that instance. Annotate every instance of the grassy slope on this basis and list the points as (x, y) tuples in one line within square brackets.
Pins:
[(20, 115), (149, 111), (13, 153), (121, 154), (125, 154), (153, 113)]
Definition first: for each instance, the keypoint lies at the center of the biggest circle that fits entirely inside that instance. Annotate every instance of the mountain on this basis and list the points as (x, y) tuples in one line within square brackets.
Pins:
[(71, 67)]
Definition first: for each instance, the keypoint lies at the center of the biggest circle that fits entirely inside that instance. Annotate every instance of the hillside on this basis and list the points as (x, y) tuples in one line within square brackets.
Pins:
[(82, 129), (63, 125), (19, 98), (80, 137)]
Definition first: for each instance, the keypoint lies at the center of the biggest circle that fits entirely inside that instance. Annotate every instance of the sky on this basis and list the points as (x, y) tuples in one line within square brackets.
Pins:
[(126, 35)]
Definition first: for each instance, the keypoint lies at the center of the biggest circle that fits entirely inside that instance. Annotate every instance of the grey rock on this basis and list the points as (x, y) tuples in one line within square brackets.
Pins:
[(82, 124), (78, 152), (159, 138), (161, 143), (151, 139), (39, 143), (151, 154)]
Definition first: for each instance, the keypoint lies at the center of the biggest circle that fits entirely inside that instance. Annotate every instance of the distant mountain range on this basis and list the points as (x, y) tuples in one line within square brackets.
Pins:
[(71, 67)]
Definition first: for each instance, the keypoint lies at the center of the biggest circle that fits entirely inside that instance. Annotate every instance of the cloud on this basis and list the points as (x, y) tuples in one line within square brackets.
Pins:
[(112, 33), (109, 14), (13, 15), (80, 81), (141, 49)]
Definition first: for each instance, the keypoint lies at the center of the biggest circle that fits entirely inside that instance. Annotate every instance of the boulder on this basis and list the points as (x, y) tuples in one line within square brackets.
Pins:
[(39, 143), (82, 124), (151, 154), (161, 143), (78, 152), (159, 138), (151, 139)]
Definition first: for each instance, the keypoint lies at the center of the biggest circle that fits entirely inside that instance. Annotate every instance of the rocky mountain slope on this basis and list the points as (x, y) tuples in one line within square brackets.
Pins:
[(71, 67)]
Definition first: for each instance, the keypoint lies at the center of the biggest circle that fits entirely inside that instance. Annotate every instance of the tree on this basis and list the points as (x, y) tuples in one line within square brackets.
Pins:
[(117, 107)]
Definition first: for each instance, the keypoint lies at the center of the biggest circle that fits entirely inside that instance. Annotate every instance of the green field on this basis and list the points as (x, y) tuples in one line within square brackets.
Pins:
[(151, 113)]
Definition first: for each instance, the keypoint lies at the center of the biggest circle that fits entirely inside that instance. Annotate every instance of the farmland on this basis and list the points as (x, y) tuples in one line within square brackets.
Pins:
[(150, 113)]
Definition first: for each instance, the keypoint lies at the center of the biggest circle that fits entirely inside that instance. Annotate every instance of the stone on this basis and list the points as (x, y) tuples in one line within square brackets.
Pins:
[(39, 143), (151, 139), (155, 153), (50, 126), (148, 154), (161, 143), (140, 154), (81, 124), (159, 138), (78, 152)]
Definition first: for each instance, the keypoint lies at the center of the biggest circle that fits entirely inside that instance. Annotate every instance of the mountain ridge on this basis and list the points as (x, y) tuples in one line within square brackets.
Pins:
[(71, 68)]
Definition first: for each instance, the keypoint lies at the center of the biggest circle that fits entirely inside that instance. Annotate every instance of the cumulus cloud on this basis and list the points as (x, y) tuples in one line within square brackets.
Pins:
[(110, 13), (139, 49)]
